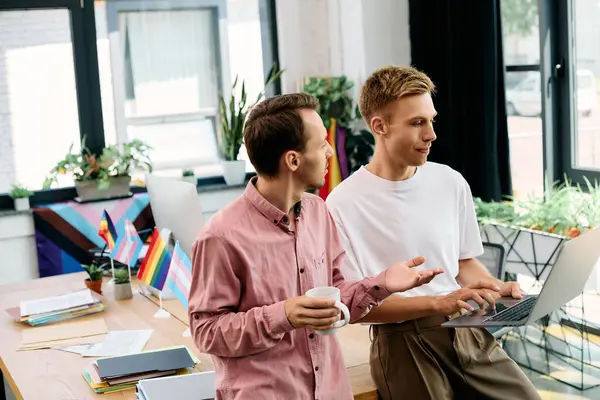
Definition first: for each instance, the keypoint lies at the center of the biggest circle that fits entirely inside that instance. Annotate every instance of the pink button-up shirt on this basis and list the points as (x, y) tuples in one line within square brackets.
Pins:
[(246, 263)]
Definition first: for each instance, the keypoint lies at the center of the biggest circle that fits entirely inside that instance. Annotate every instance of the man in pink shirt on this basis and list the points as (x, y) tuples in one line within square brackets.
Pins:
[(255, 259)]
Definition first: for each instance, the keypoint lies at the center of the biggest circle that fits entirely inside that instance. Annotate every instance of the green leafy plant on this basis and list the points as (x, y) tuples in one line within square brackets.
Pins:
[(566, 210), (336, 102), (132, 157), (334, 99), (86, 166), (234, 114), (121, 276), (20, 192), (187, 172), (94, 271)]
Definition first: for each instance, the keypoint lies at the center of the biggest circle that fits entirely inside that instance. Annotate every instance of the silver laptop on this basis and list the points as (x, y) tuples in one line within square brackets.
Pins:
[(566, 280)]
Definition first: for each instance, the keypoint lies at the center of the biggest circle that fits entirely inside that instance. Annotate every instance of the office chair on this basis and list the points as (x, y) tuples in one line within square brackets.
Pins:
[(494, 258)]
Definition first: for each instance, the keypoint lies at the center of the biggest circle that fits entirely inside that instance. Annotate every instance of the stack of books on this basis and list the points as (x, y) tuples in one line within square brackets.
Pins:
[(57, 308), (114, 374)]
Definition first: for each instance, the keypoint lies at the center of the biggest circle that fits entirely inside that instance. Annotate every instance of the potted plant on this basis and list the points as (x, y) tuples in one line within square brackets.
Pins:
[(532, 229), (102, 176), (231, 133), (94, 280), (336, 102), (122, 285), (188, 175), (20, 195)]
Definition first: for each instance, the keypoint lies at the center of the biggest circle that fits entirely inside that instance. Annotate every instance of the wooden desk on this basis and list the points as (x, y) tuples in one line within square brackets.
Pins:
[(54, 374), (354, 341)]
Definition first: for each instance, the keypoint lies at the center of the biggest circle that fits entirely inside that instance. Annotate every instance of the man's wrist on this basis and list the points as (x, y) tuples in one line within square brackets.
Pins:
[(435, 304)]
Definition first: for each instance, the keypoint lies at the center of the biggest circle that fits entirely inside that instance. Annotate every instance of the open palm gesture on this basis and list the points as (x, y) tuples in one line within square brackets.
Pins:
[(403, 276)]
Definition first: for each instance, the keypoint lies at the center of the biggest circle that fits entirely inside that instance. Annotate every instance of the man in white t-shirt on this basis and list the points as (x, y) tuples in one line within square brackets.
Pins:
[(399, 206)]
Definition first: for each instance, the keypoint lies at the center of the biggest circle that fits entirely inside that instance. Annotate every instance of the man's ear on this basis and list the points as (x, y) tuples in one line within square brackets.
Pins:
[(291, 160), (378, 126)]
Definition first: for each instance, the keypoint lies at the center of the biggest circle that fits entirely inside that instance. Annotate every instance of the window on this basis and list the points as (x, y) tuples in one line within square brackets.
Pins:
[(585, 72), (520, 20), (170, 61), (552, 86), (115, 70), (38, 97)]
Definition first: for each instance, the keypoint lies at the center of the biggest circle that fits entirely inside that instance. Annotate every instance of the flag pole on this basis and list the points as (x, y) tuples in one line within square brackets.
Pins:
[(161, 313), (112, 268)]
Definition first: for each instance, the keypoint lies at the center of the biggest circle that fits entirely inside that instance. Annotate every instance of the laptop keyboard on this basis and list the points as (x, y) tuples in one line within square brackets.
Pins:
[(515, 313)]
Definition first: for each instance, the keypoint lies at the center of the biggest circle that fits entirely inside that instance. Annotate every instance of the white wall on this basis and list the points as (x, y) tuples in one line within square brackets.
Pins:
[(340, 37)]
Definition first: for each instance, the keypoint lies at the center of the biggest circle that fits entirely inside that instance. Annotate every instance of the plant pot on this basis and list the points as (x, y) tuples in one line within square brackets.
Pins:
[(191, 179), (123, 291), (22, 204), (94, 286), (88, 190), (234, 172)]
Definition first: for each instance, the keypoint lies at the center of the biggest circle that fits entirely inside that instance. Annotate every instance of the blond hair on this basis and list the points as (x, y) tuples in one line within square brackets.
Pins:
[(388, 84)]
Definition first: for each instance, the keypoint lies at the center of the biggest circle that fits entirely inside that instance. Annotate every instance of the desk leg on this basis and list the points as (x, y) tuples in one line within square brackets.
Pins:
[(2, 383)]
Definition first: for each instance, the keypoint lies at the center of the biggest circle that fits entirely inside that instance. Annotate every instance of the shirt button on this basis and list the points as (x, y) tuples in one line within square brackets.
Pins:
[(301, 270), (316, 368), (275, 221), (311, 336), (196, 316), (285, 219), (376, 287)]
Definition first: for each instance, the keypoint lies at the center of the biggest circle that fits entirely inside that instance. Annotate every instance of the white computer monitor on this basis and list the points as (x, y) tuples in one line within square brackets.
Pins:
[(176, 207)]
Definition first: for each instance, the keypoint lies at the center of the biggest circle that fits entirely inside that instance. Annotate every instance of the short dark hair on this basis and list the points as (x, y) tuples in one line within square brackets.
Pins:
[(273, 127)]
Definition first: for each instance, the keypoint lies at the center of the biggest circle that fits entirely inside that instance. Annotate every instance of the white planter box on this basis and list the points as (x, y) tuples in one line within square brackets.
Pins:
[(22, 204)]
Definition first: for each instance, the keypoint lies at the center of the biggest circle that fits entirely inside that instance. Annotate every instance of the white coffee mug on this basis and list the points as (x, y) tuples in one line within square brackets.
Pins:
[(330, 292)]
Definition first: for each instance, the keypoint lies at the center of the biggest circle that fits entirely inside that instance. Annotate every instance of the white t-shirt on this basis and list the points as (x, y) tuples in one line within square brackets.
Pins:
[(382, 222)]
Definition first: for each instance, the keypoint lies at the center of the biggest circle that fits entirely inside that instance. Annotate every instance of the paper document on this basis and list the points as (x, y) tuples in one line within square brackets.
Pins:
[(67, 330), (56, 303), (115, 343)]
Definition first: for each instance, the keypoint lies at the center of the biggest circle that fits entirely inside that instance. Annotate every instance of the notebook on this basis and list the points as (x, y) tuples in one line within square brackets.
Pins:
[(197, 386)]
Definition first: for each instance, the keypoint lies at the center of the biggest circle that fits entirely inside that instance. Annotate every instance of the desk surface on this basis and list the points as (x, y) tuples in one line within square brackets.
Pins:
[(56, 374)]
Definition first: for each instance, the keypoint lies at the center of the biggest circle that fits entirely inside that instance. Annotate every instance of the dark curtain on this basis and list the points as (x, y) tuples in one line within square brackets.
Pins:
[(458, 43)]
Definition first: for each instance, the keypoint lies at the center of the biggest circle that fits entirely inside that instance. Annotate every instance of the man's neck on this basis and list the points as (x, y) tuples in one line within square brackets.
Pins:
[(390, 171), (282, 193)]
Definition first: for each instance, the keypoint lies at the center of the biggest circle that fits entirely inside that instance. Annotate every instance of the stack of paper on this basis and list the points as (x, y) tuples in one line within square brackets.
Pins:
[(115, 343), (113, 374), (67, 334), (57, 308)]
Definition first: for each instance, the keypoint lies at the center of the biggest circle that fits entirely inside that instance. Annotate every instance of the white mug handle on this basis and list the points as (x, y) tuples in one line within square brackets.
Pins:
[(342, 307)]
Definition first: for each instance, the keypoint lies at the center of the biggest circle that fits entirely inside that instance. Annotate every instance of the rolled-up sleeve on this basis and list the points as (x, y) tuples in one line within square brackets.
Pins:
[(215, 323)]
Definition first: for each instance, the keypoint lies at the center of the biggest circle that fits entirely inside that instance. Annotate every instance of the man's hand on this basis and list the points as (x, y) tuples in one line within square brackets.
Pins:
[(402, 276), (456, 301), (511, 289), (311, 313)]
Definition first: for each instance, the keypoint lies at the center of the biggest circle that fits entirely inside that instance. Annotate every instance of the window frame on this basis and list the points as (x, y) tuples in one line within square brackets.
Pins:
[(85, 56), (564, 97), (218, 9)]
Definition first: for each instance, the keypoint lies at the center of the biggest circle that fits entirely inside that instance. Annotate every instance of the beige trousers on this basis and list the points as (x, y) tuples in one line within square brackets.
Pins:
[(419, 360)]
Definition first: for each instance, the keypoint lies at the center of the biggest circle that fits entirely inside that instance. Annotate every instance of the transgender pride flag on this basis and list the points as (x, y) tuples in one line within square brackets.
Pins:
[(128, 246), (179, 278)]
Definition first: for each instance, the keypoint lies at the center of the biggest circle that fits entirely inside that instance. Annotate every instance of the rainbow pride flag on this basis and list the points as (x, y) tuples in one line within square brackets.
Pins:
[(155, 266), (107, 231), (338, 163), (179, 278)]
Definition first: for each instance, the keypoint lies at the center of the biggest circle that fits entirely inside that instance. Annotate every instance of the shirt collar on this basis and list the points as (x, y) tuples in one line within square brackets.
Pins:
[(272, 213)]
